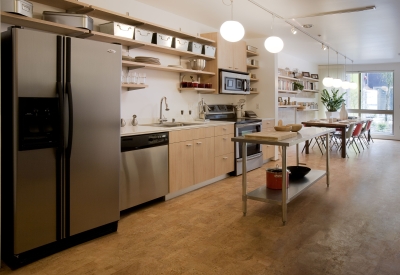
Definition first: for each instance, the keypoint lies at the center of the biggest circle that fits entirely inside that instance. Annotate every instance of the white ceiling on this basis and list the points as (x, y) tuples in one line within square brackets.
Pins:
[(366, 37)]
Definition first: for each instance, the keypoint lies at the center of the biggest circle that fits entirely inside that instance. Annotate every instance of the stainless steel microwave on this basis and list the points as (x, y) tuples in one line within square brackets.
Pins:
[(234, 83)]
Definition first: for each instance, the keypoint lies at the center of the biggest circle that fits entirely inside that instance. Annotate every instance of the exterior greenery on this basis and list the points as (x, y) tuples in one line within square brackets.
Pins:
[(334, 102)]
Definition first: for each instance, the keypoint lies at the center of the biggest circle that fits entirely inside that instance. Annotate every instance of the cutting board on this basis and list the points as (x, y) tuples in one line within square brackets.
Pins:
[(275, 136)]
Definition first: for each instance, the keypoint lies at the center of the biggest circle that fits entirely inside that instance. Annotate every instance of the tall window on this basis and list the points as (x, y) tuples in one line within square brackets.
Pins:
[(372, 99)]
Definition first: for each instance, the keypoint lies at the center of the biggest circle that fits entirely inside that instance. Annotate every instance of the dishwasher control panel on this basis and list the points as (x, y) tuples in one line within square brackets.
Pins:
[(137, 142), (158, 138)]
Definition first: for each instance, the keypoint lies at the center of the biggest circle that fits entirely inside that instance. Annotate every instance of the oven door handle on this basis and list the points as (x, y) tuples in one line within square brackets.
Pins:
[(245, 85), (248, 124)]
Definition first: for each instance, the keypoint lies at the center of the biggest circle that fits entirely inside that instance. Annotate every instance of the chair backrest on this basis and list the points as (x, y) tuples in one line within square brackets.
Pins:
[(349, 132), (368, 125), (357, 130)]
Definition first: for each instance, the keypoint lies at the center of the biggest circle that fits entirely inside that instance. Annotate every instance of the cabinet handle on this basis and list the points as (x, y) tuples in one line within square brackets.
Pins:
[(225, 157), (236, 68), (188, 144), (224, 138), (224, 129), (199, 142)]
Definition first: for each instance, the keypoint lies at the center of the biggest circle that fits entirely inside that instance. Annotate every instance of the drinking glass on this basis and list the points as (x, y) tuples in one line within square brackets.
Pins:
[(129, 78), (143, 79), (140, 78), (123, 78), (134, 78)]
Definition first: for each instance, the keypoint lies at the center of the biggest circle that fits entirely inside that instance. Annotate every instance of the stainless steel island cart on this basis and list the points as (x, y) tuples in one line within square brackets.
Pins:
[(287, 194)]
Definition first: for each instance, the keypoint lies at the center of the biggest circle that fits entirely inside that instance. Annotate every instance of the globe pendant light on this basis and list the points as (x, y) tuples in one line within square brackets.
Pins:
[(352, 84), (337, 82), (230, 30), (273, 44), (328, 80), (345, 83)]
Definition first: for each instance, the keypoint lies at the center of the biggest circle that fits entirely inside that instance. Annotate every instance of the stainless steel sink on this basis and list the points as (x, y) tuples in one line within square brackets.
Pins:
[(171, 124)]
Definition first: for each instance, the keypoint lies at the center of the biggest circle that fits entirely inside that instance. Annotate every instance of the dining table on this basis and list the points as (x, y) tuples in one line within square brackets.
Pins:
[(340, 125)]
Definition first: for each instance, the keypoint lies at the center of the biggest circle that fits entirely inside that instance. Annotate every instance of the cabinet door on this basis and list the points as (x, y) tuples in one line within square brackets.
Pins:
[(239, 56), (224, 145), (204, 159), (225, 54), (224, 164), (180, 165), (268, 151)]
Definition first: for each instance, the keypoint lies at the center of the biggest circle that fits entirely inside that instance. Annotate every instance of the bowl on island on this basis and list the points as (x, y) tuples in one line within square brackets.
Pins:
[(295, 127), (283, 128)]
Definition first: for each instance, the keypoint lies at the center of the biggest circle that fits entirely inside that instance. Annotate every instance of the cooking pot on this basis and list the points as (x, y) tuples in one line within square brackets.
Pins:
[(197, 64), (274, 178)]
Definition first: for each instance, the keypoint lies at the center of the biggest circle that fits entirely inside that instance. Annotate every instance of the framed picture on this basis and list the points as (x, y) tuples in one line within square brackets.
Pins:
[(306, 74), (315, 76)]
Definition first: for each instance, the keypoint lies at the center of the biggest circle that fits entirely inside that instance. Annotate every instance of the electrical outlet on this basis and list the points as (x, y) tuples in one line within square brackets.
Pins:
[(257, 106)]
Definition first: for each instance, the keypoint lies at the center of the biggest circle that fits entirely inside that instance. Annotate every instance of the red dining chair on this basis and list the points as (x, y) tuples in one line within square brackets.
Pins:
[(338, 136), (356, 135), (365, 130)]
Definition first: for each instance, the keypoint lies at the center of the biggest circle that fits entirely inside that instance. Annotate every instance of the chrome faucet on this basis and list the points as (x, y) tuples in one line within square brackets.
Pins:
[(161, 120)]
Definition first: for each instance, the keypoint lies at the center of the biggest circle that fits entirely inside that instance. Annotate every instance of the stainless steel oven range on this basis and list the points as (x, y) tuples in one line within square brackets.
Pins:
[(243, 126)]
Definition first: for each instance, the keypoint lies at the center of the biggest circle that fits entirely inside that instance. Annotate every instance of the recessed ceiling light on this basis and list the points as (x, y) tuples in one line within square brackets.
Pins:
[(307, 26)]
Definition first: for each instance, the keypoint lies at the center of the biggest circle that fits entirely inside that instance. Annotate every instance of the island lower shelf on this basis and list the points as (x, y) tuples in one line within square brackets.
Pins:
[(296, 187)]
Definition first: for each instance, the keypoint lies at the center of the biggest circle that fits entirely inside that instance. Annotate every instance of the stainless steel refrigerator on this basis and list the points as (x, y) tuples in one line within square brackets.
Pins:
[(60, 142)]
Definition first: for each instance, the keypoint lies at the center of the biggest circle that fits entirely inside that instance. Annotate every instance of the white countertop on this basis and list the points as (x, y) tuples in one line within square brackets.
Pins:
[(144, 129)]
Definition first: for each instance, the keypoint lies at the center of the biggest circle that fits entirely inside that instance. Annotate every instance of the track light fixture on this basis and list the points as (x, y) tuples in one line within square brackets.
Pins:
[(293, 30), (324, 47)]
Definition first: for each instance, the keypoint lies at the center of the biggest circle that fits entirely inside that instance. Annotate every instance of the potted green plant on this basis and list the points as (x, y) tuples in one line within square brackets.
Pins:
[(332, 103), (297, 86)]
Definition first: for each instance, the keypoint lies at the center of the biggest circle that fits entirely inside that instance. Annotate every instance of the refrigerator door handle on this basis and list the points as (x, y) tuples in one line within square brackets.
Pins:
[(70, 120)]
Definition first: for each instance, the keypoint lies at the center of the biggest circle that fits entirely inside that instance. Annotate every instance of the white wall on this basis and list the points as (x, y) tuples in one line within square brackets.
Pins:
[(145, 103), (290, 115), (267, 84)]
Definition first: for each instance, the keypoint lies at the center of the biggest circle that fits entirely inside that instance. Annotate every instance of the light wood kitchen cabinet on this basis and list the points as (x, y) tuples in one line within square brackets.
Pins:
[(203, 159), (191, 157), (224, 130), (224, 164), (231, 55), (268, 150), (180, 165), (224, 149), (224, 145)]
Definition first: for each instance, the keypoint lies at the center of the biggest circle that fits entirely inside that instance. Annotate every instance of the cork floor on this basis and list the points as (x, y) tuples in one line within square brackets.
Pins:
[(352, 227)]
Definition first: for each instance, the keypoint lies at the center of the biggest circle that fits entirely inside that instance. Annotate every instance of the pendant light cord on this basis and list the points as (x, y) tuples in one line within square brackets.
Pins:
[(337, 65), (328, 61), (231, 4)]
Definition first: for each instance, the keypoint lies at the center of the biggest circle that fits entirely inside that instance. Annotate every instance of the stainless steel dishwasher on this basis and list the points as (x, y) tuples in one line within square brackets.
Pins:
[(144, 169)]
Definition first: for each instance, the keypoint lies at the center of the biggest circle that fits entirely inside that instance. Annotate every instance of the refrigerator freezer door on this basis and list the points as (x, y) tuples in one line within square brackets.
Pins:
[(35, 199), (36, 63), (95, 70)]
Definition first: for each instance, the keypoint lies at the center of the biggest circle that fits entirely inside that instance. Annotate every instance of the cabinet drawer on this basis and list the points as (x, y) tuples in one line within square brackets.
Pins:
[(203, 132), (224, 130), (268, 124), (224, 164), (224, 145), (181, 135)]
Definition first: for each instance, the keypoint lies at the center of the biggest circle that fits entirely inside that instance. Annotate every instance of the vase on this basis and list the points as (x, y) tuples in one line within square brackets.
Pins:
[(332, 114), (343, 113)]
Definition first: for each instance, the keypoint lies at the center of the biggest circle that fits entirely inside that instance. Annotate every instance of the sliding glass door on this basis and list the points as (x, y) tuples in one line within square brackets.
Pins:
[(372, 99)]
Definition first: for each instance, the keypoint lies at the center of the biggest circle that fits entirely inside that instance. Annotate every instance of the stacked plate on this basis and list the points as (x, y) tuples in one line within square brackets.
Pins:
[(148, 60)]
